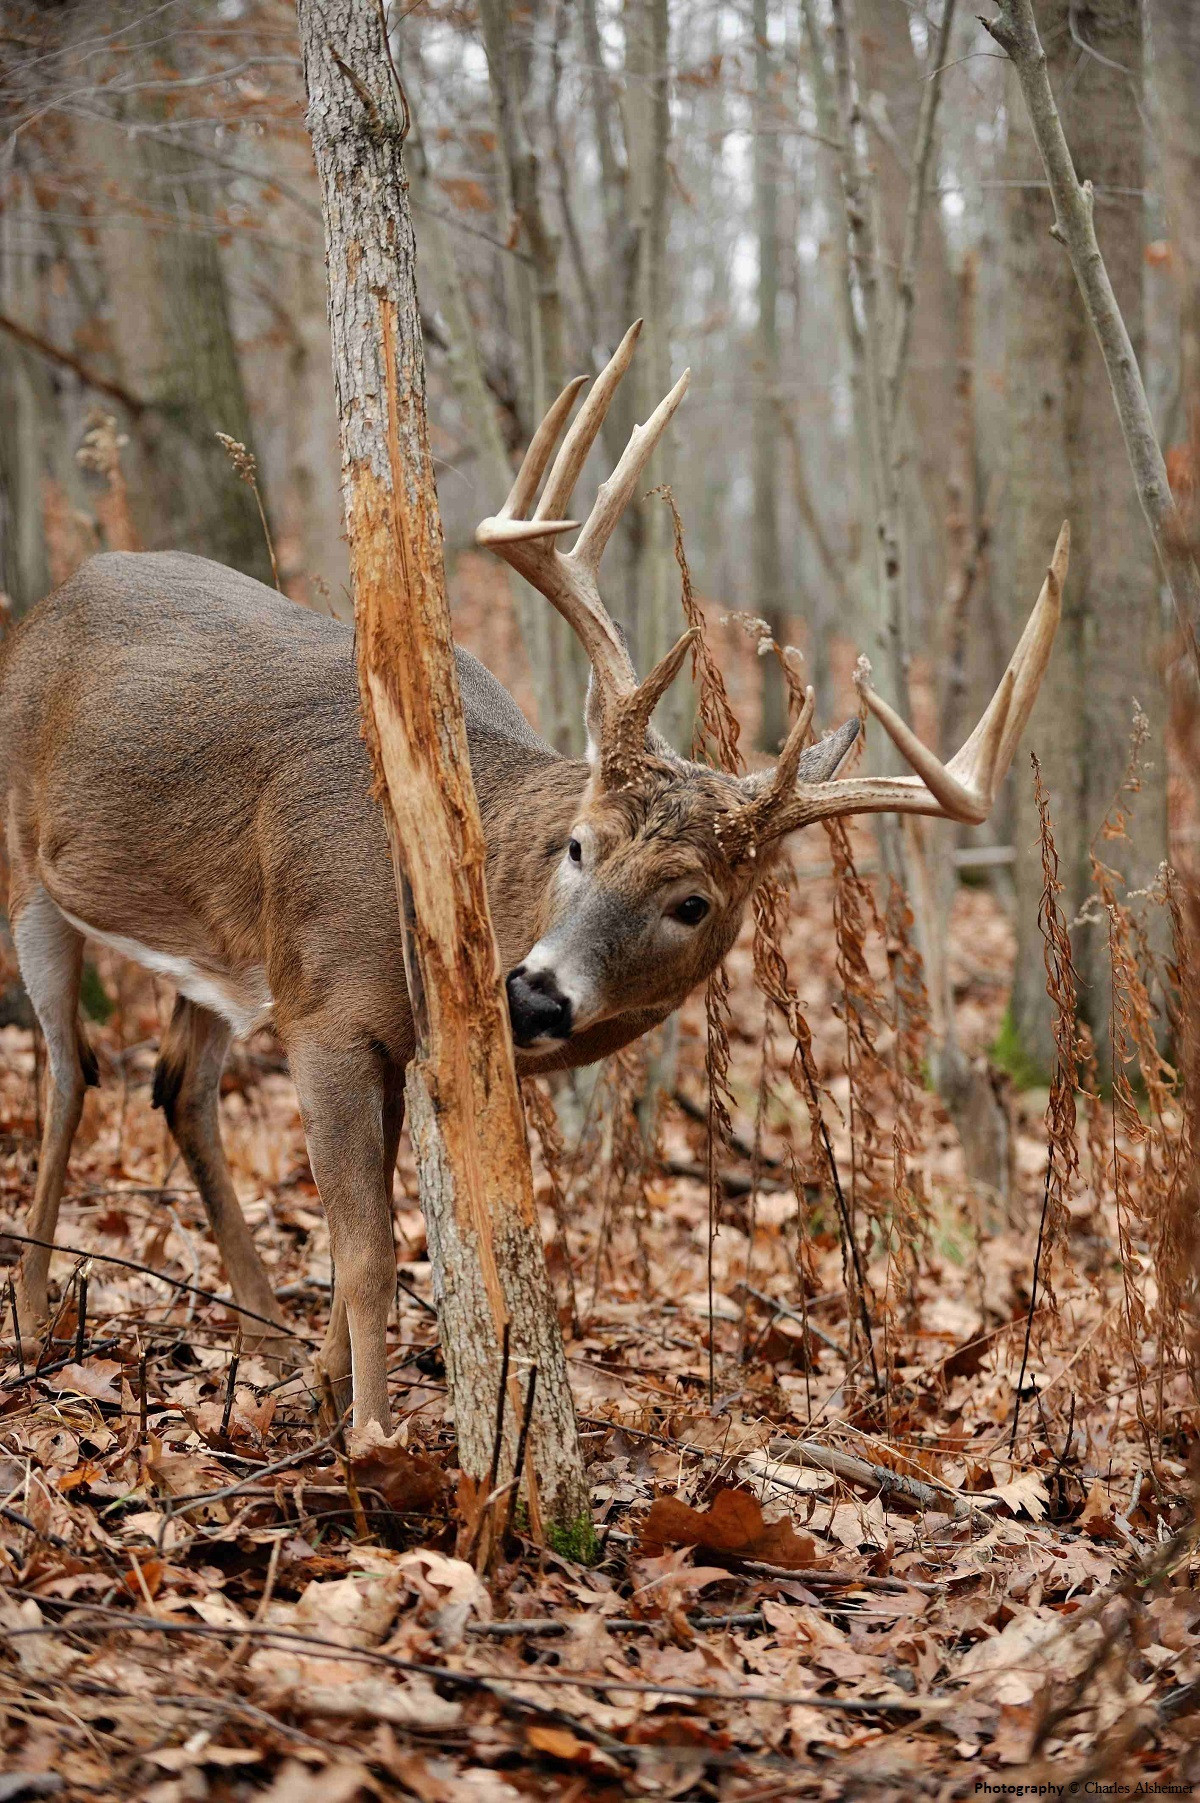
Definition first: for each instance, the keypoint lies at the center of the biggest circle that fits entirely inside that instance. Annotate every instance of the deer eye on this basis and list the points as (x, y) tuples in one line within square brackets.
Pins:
[(575, 851), (691, 911)]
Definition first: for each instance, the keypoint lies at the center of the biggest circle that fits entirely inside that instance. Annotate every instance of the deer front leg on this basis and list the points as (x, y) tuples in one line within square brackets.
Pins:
[(334, 1356), (343, 1101)]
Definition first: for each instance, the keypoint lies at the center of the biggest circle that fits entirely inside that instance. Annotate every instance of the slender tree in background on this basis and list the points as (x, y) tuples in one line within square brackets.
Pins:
[(535, 296), (651, 598), (170, 336), (1067, 459), (464, 1109), (1175, 69), (768, 563)]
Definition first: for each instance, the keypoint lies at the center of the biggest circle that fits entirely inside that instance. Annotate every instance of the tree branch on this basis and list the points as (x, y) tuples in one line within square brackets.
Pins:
[(33, 341), (915, 214)]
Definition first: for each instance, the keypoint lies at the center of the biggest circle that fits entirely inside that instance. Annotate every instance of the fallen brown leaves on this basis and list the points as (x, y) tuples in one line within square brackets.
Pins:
[(190, 1609)]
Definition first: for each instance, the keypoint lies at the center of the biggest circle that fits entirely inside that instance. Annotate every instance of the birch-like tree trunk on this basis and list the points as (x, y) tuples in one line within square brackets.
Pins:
[(465, 1113)]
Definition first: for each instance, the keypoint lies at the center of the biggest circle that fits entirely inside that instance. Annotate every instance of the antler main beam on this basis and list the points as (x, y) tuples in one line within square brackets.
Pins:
[(568, 580), (964, 788)]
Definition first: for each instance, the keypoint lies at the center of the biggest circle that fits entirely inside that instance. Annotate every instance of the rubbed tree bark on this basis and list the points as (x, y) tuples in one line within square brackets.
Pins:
[(465, 1113), (1067, 462), (767, 559)]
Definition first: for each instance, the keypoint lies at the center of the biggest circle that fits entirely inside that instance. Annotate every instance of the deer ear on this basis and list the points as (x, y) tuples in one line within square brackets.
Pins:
[(817, 763)]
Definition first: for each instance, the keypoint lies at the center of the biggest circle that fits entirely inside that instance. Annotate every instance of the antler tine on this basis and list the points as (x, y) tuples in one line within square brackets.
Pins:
[(957, 799), (614, 495), (538, 455), (1036, 643), (793, 747), (581, 437), (965, 787)]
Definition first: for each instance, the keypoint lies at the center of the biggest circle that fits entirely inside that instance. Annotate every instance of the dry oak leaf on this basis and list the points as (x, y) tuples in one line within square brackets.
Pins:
[(408, 1481), (1025, 1493), (560, 1743), (296, 1783), (95, 1379), (1097, 1519), (733, 1524)]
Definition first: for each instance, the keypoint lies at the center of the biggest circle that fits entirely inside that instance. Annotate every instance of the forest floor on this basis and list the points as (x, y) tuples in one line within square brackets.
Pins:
[(201, 1600), (204, 1593)]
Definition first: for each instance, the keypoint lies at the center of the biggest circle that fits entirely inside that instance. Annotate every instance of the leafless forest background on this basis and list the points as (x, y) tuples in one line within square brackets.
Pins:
[(998, 1070)]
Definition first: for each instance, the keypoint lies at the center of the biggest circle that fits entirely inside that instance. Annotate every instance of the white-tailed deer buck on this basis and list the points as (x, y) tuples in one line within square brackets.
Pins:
[(185, 782)]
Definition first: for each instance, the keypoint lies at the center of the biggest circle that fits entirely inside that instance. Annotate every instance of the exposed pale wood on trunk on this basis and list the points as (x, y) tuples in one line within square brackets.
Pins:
[(466, 1119)]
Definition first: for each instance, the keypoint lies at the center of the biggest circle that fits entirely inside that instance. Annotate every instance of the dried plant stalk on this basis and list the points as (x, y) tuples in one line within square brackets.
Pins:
[(1177, 1246), (245, 468), (715, 740), (1062, 1148)]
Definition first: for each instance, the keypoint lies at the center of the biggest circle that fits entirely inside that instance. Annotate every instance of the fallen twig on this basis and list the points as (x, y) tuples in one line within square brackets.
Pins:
[(876, 1477)]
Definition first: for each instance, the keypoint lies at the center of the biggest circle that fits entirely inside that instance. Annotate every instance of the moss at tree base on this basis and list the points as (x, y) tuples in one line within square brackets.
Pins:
[(575, 1540)]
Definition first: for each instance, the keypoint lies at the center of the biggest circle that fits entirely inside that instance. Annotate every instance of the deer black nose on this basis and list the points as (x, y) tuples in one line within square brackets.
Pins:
[(537, 1007)]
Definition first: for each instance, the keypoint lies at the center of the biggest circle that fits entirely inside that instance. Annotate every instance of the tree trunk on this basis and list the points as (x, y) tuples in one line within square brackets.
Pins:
[(172, 344), (561, 669), (1068, 461), (894, 85), (765, 551), (465, 1113), (652, 599), (1175, 67)]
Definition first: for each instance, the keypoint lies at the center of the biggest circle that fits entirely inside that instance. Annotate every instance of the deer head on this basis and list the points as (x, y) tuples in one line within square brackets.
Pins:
[(664, 853)]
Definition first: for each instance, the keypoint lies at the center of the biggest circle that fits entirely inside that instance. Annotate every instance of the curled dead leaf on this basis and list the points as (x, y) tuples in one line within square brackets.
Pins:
[(733, 1524)]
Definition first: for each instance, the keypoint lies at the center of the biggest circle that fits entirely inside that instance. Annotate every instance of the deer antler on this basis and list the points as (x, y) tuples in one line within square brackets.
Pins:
[(963, 789), (618, 708)]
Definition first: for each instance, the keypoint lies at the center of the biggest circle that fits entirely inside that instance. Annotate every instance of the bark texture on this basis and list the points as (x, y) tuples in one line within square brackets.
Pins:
[(467, 1123), (172, 343), (1067, 461), (1174, 64), (1077, 228)]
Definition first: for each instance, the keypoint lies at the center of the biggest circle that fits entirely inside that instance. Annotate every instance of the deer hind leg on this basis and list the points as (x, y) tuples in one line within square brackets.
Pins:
[(334, 1357), (50, 954), (343, 1102), (187, 1082)]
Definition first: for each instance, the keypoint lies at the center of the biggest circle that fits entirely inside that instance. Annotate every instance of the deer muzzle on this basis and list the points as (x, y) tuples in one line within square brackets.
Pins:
[(537, 1007)]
